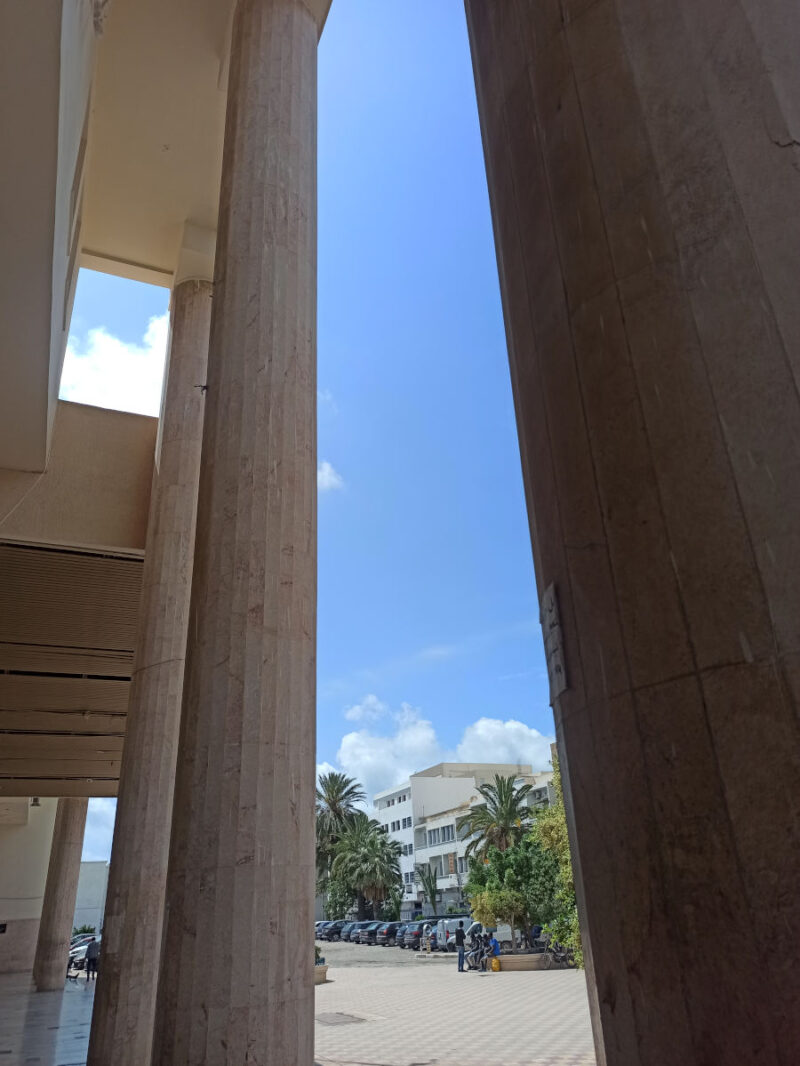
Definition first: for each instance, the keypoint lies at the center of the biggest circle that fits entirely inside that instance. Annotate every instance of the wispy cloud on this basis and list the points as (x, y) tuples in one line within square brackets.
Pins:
[(425, 658), (326, 401), (328, 479)]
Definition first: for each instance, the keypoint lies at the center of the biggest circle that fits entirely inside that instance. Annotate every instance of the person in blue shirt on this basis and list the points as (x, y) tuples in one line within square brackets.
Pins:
[(492, 952)]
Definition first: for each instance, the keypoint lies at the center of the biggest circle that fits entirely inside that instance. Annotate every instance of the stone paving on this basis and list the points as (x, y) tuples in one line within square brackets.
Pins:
[(381, 1007), (376, 1012)]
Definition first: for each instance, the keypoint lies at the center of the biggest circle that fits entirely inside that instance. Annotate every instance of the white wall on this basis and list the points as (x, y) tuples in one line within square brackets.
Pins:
[(26, 834), (90, 901)]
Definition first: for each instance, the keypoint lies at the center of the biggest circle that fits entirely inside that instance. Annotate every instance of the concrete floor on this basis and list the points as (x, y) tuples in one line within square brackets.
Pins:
[(381, 1007)]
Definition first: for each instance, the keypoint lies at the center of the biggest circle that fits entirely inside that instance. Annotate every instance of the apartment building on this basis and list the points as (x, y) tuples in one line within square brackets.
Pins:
[(422, 813)]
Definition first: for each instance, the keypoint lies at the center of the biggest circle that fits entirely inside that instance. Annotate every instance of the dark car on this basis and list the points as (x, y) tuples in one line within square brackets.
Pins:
[(333, 930), (386, 933), (320, 929), (399, 935), (344, 933), (369, 933), (413, 935), (354, 930)]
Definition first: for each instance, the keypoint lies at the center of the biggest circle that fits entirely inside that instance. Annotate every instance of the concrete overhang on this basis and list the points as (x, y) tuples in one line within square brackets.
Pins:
[(157, 127), (113, 118)]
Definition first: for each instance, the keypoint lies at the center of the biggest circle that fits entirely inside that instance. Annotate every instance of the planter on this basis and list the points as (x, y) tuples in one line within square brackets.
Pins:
[(320, 975), (514, 963)]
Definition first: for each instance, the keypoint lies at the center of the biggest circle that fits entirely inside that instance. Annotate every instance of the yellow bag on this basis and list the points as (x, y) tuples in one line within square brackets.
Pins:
[(495, 965)]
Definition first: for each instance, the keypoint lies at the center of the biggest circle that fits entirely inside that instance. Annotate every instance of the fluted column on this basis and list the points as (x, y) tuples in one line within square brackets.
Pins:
[(122, 1024), (236, 981), (61, 888), (644, 173)]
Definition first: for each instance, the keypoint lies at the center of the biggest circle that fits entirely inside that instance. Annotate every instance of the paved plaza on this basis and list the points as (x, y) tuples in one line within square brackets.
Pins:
[(385, 1007), (381, 1007)]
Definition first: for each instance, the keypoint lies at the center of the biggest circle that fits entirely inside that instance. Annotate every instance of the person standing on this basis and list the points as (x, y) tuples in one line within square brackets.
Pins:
[(460, 946), (92, 953)]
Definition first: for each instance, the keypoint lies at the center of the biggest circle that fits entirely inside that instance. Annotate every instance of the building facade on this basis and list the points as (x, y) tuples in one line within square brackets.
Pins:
[(422, 814), (90, 901)]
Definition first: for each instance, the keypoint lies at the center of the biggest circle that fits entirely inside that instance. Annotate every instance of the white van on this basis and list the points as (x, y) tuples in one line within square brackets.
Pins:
[(446, 931)]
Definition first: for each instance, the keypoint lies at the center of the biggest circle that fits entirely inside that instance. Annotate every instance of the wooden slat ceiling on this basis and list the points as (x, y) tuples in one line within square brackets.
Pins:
[(67, 632)]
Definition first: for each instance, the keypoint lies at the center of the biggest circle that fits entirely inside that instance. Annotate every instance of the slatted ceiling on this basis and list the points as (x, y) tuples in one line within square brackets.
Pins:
[(68, 599), (23, 746), (30, 693), (58, 786), (74, 769), (34, 658), (64, 612), (83, 722)]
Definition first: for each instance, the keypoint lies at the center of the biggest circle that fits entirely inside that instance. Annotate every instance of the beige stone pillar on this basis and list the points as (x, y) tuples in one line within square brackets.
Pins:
[(122, 1024), (642, 159), (236, 979), (61, 888)]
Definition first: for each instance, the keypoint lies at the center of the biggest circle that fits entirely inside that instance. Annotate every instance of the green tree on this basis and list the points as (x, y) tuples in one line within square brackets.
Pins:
[(81, 929), (518, 885), (339, 898), (367, 859), (428, 877), (501, 820), (338, 797), (550, 832)]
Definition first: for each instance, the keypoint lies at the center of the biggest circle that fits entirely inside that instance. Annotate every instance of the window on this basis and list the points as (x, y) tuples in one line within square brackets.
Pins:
[(463, 864), (406, 823), (448, 833), (434, 836)]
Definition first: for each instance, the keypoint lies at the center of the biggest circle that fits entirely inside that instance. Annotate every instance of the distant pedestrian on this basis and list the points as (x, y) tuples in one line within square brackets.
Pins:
[(92, 953), (460, 946)]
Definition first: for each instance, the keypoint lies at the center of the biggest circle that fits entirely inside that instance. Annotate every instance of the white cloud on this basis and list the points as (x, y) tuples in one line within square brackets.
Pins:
[(104, 371), (325, 399), (369, 710), (328, 478), (99, 830), (382, 761), (492, 740), (379, 762)]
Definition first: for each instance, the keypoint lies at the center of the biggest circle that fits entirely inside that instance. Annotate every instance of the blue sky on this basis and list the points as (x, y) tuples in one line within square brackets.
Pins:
[(428, 636)]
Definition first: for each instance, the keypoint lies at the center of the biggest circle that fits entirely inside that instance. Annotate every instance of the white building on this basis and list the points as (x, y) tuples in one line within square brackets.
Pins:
[(90, 901), (422, 813)]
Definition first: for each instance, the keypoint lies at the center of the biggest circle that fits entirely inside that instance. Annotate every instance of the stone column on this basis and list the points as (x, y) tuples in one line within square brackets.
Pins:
[(122, 1024), (236, 980), (61, 888), (644, 174)]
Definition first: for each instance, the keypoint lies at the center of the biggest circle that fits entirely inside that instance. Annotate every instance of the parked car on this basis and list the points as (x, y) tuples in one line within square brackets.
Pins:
[(355, 929), (386, 933), (333, 930), (399, 936), (344, 932), (413, 935), (369, 933), (319, 929)]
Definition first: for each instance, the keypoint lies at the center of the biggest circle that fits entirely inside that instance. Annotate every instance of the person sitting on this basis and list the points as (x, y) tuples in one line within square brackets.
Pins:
[(492, 952)]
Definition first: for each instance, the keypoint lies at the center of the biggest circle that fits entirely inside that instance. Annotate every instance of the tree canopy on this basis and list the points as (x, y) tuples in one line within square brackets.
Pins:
[(501, 821)]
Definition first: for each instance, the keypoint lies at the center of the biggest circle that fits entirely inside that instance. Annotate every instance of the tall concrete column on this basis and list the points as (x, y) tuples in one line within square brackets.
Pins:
[(644, 176), (122, 1024), (61, 888), (236, 980)]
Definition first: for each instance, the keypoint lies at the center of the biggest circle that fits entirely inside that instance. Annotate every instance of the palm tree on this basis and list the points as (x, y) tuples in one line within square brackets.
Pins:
[(337, 799), (501, 820), (366, 858), (427, 877)]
